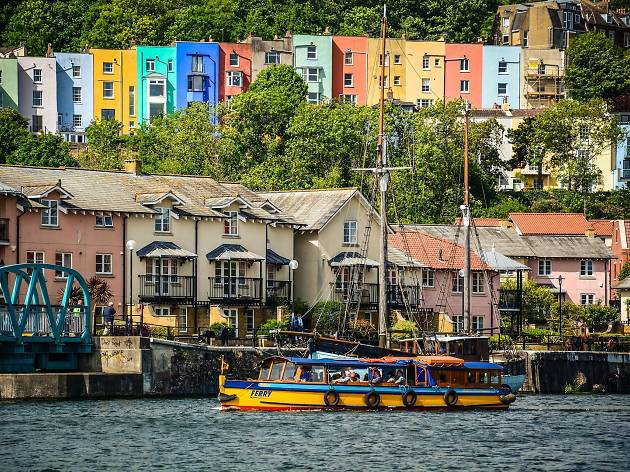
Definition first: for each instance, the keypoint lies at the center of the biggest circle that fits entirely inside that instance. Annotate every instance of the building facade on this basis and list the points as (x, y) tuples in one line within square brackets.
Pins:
[(425, 77), (75, 98), (37, 86), (157, 81), (349, 69), (395, 71), (235, 72), (9, 96), (197, 68), (464, 72), (312, 59), (542, 71), (501, 76), (265, 53)]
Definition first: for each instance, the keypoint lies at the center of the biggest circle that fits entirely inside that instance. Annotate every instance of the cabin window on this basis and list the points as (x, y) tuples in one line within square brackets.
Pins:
[(276, 371), (471, 377), (289, 372), (264, 372), (483, 377)]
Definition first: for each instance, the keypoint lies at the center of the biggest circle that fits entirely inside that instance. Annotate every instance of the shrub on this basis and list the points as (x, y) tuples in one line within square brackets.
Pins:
[(404, 325), (270, 325), (215, 329), (361, 328), (326, 316), (493, 341)]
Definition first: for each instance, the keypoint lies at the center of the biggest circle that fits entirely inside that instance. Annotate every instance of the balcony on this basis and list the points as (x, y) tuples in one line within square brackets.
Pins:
[(404, 296), (175, 288), (235, 290), (509, 300), (4, 231), (277, 292), (365, 294)]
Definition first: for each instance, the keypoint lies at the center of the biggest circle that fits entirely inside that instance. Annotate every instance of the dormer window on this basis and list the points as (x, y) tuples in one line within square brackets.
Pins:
[(50, 215), (163, 220), (104, 221), (230, 225)]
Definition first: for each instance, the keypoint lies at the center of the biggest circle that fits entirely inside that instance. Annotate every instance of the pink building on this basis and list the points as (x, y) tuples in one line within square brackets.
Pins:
[(8, 224), (463, 77), (235, 69), (349, 69)]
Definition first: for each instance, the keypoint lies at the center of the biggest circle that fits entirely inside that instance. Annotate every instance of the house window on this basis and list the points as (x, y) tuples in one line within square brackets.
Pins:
[(231, 314), (464, 65), (426, 85), (348, 58), (196, 63), (577, 19), (76, 72), (386, 82), (503, 67), (234, 59), (63, 259), (162, 310), (396, 58), (350, 232), (234, 78), (104, 221), (108, 67), (425, 102), (311, 52), (477, 323), (458, 282), (272, 57), (587, 298), (156, 109), (463, 86), (77, 121), (458, 323), (625, 169), (347, 80), (169, 65), (197, 83), (108, 114), (310, 74), (505, 21), (505, 39), (104, 264), (59, 119), (162, 223), (396, 80), (525, 38), (425, 62), (132, 100), (156, 88), (380, 59), (50, 215), (132, 124), (544, 267), (436, 62), (349, 98), (626, 40), (37, 123), (586, 268), (76, 94), (502, 89), (477, 280), (34, 257), (312, 97), (230, 224), (585, 132), (37, 76), (150, 65), (611, 35), (38, 99), (428, 278), (567, 20), (108, 89), (249, 321)]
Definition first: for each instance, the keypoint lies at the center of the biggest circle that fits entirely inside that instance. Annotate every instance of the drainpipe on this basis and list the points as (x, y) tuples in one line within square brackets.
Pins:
[(606, 297), (196, 275), (17, 238), (124, 269)]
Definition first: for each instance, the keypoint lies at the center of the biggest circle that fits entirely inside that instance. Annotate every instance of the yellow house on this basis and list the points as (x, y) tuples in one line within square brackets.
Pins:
[(395, 70), (425, 71), (115, 86)]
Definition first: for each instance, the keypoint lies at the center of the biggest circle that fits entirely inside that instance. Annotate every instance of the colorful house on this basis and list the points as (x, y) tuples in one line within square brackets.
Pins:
[(116, 86), (501, 76), (267, 53), (75, 98), (424, 61), (235, 71), (349, 69), (464, 70), (157, 81), (621, 168), (9, 96), (197, 75), (542, 71), (395, 71), (312, 58), (37, 86)]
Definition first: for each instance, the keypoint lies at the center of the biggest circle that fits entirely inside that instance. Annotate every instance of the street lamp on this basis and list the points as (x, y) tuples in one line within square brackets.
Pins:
[(293, 264), (131, 245), (560, 279)]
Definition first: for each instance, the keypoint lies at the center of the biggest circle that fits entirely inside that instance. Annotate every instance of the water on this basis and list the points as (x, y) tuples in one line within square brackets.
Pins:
[(543, 432)]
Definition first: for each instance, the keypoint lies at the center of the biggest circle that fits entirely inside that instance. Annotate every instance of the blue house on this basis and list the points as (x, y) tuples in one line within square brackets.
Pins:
[(621, 174), (197, 73), (75, 96), (501, 79)]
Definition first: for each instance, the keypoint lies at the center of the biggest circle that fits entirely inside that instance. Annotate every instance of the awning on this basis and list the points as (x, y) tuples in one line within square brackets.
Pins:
[(164, 249), (233, 252), (274, 258), (346, 259), (498, 261), (397, 258)]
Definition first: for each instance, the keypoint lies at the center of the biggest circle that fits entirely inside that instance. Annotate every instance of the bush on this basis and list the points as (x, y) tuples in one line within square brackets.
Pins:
[(270, 325), (493, 341), (215, 329), (404, 325), (599, 316), (536, 334), (326, 316), (361, 328)]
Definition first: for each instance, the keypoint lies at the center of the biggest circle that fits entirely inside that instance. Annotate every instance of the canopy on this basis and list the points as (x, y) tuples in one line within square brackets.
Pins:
[(233, 252), (498, 261), (165, 249), (274, 258), (346, 259)]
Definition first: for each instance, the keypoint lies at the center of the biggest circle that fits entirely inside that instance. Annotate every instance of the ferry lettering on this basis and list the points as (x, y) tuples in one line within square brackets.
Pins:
[(260, 393)]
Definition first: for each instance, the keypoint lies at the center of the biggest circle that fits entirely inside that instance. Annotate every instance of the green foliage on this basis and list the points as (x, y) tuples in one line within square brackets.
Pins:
[(360, 21), (571, 314), (597, 68), (493, 341), (409, 327), (45, 150), (625, 271), (13, 130), (537, 300), (599, 316), (283, 79), (326, 316), (215, 328), (361, 328), (270, 325), (105, 145)]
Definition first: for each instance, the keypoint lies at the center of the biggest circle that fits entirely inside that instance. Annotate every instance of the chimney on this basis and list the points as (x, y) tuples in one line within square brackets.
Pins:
[(505, 106), (326, 31), (590, 232), (133, 43), (49, 51), (133, 166), (288, 34), (504, 224)]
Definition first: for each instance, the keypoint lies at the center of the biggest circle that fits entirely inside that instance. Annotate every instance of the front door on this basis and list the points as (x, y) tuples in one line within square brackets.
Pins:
[(165, 271), (230, 272)]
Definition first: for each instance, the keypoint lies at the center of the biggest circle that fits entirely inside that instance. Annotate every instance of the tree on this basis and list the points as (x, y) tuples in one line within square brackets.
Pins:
[(214, 18), (283, 79), (525, 149), (625, 271), (13, 130), (105, 145), (537, 300), (46, 150), (597, 68), (360, 21)]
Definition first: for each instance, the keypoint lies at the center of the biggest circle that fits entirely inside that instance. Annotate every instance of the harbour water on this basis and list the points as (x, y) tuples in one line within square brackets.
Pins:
[(540, 432)]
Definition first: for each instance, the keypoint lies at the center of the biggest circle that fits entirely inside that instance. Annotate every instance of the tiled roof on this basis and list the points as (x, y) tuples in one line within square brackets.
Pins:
[(602, 227), (559, 224), (8, 190), (313, 208), (434, 252), (489, 222)]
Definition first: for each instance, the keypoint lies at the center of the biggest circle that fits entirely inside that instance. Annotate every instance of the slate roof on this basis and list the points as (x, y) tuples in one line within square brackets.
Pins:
[(345, 259), (550, 223), (498, 261), (274, 258), (232, 252), (313, 208), (8, 190), (164, 249)]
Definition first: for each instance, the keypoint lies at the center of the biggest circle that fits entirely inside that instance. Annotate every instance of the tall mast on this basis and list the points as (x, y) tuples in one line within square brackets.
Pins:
[(383, 176), (466, 220)]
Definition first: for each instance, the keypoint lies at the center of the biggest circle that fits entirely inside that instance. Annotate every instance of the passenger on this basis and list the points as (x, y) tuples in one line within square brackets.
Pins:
[(345, 378), (375, 376), (400, 378), (306, 375), (355, 377)]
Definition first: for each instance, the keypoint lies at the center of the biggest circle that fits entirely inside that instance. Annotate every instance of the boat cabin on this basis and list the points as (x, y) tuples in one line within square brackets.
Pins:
[(442, 371), (469, 348)]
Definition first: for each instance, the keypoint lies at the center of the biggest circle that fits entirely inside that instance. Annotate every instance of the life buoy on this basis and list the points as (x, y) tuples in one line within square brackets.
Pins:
[(372, 399), (409, 398), (331, 398), (450, 397), (507, 399)]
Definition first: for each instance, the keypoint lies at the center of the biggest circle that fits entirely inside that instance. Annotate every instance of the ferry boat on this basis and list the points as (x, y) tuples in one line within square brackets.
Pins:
[(416, 383)]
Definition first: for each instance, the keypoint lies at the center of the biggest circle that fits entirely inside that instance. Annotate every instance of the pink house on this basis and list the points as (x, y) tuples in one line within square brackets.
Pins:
[(464, 73), (235, 69), (8, 227)]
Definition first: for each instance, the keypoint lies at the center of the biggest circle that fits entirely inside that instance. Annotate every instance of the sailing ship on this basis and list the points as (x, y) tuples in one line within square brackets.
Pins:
[(390, 380)]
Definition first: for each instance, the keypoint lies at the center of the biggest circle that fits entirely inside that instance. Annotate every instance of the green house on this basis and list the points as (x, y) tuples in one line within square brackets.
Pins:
[(9, 83)]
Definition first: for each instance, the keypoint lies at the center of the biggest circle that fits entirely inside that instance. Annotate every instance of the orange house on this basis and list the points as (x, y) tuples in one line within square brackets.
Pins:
[(349, 69), (464, 73), (235, 69)]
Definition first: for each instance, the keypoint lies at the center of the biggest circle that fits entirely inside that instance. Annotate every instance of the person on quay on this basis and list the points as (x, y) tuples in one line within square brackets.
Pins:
[(109, 313)]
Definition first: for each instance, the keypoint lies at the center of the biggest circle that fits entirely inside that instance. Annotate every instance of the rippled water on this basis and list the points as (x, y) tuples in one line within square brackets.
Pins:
[(582, 432)]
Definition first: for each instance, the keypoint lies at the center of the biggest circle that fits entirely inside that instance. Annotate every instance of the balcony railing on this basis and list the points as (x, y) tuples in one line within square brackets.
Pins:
[(235, 290), (277, 292), (402, 296), (4, 230), (160, 287), (509, 300)]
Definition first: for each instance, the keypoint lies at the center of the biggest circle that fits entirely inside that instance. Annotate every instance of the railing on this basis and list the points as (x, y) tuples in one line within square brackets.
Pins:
[(555, 342), (509, 299), (4, 230), (401, 296), (37, 323), (365, 294), (277, 292), (166, 286), (235, 289)]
